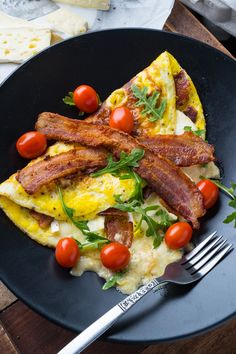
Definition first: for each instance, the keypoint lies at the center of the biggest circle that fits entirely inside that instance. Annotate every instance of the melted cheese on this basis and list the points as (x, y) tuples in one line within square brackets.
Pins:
[(146, 263)]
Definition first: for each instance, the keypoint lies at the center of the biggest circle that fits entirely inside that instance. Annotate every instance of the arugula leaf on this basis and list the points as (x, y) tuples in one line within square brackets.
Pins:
[(165, 218), (154, 229), (93, 240), (199, 132), (69, 99), (126, 160), (139, 183), (124, 170), (230, 191), (230, 218), (112, 281), (149, 103)]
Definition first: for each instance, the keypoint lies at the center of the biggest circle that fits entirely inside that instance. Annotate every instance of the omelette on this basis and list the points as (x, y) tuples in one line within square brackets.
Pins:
[(179, 107)]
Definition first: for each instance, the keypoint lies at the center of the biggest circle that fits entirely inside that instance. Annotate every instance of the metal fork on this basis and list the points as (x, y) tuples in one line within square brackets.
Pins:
[(192, 267)]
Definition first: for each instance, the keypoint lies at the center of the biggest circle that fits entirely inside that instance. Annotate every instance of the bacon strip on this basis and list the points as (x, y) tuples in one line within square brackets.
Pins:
[(191, 112), (43, 220), (182, 87), (112, 212), (184, 150), (166, 179), (118, 228), (79, 161)]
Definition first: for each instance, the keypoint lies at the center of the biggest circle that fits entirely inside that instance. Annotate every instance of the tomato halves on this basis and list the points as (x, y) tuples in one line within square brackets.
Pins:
[(178, 235), (209, 191), (115, 256), (121, 118), (86, 99), (67, 252), (31, 145)]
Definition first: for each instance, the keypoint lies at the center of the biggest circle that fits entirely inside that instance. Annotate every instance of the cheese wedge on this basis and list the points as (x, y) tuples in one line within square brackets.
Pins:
[(95, 4), (19, 44), (67, 22)]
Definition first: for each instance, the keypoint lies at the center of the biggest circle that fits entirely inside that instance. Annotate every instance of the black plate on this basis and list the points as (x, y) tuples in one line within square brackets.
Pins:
[(106, 60)]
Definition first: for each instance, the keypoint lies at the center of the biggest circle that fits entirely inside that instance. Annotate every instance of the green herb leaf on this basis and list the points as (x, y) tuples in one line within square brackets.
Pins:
[(199, 132), (230, 218), (232, 203), (229, 191), (165, 218), (124, 170), (149, 103), (154, 229), (139, 183), (126, 160), (112, 281), (69, 99), (93, 240)]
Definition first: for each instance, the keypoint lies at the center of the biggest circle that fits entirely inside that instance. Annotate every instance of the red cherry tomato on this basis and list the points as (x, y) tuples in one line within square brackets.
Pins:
[(209, 191), (31, 145), (67, 252), (178, 235), (86, 99), (115, 256), (121, 118)]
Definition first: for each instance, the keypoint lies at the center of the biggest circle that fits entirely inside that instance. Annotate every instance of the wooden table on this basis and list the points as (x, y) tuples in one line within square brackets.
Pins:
[(24, 331)]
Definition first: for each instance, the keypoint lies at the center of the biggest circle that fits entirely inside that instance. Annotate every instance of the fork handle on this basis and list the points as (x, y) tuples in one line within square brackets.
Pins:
[(97, 328)]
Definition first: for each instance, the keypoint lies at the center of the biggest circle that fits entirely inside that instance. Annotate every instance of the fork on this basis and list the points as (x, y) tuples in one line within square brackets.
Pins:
[(191, 268)]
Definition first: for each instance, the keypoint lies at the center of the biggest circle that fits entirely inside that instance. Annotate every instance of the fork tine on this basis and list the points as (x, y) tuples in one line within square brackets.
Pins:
[(203, 271), (205, 250), (205, 259), (191, 254)]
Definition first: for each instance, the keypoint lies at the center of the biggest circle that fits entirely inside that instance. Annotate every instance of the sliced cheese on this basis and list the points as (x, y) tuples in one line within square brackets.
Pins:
[(67, 22), (19, 44), (95, 4), (183, 121)]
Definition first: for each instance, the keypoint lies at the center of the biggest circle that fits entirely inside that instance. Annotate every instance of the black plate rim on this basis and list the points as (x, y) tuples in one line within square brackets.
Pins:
[(40, 310), (121, 29)]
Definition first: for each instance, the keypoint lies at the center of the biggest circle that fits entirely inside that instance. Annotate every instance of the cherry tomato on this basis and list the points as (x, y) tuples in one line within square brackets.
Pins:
[(209, 191), (31, 145), (178, 235), (86, 99), (67, 252), (115, 256), (121, 118)]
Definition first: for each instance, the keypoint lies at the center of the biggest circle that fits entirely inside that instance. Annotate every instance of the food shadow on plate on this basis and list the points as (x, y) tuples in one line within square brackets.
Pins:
[(155, 301)]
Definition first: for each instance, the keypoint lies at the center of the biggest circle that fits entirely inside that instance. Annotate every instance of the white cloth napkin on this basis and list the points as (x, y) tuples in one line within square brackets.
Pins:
[(230, 3)]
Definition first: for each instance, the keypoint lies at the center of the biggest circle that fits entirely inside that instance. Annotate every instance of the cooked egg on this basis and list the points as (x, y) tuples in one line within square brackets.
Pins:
[(208, 170), (89, 196), (145, 264), (194, 99), (156, 77)]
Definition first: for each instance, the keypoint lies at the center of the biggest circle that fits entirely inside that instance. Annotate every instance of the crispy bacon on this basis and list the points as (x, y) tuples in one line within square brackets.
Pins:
[(184, 150), (43, 220), (191, 112), (112, 212), (79, 161), (182, 87), (118, 228), (166, 179)]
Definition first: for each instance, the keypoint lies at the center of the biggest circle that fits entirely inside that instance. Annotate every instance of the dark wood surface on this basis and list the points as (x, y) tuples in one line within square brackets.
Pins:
[(25, 332)]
